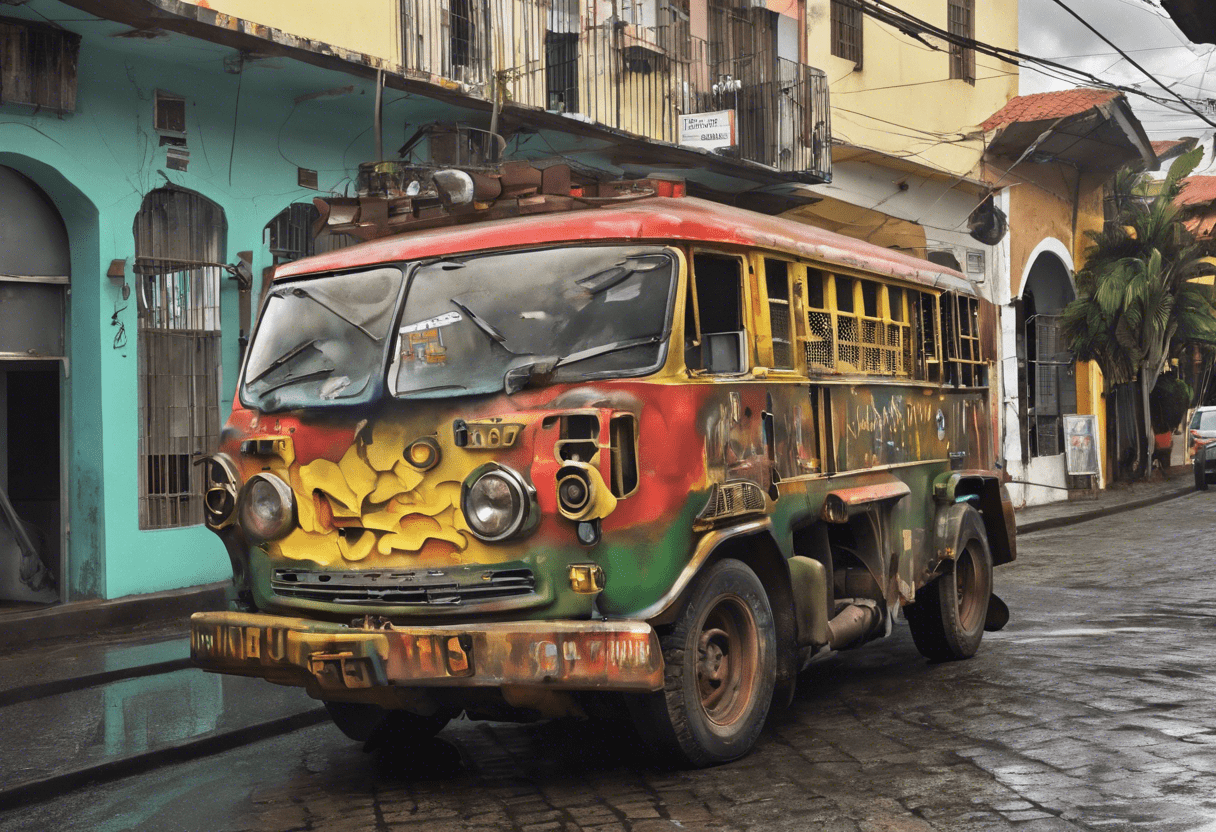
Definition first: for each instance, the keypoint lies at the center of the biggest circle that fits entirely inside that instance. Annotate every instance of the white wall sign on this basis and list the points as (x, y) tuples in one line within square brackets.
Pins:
[(708, 131)]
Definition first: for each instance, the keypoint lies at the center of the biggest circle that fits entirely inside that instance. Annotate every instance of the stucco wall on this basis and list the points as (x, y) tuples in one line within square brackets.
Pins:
[(902, 100), (96, 165)]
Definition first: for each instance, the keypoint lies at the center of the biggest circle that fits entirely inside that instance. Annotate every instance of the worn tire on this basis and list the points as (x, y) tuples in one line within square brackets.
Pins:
[(374, 725), (947, 618), (1201, 477), (720, 660)]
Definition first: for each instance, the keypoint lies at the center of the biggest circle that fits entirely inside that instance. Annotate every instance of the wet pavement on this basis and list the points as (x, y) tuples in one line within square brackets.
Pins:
[(1117, 497), (1094, 709)]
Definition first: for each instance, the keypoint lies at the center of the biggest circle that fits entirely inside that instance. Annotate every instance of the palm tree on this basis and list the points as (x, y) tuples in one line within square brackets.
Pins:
[(1136, 305)]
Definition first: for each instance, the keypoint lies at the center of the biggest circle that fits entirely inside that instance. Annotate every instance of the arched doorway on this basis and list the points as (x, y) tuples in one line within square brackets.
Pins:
[(1046, 369), (34, 277)]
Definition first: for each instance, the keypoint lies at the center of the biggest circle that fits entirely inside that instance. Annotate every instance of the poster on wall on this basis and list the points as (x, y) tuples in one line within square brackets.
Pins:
[(1081, 444)]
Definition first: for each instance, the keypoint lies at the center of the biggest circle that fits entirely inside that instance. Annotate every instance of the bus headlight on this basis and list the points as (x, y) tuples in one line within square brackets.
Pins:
[(267, 508), (496, 502)]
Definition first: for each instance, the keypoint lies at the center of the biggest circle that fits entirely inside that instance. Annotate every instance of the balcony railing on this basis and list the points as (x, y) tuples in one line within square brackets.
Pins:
[(637, 75)]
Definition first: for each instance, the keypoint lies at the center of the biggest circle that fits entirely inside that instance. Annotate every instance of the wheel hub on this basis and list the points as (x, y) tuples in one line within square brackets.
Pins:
[(726, 661)]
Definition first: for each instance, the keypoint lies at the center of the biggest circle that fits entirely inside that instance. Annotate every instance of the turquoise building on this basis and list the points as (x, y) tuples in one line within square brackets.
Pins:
[(135, 164)]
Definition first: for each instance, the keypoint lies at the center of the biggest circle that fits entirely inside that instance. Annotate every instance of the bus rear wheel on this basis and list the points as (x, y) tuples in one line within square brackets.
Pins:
[(947, 619), (720, 670), (375, 726)]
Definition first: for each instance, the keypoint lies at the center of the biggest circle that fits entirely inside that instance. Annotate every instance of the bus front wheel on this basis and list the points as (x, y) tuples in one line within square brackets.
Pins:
[(947, 618), (720, 661)]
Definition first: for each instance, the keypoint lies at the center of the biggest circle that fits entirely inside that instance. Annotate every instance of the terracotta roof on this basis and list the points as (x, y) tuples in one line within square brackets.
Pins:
[(1197, 190), (1166, 146), (1049, 105)]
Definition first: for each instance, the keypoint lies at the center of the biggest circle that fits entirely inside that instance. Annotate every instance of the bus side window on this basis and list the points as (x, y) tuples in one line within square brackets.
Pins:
[(928, 353), (723, 346), (820, 332), (780, 319)]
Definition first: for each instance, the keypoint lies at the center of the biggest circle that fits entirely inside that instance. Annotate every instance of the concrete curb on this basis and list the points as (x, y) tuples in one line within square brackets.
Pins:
[(20, 628), (1105, 511)]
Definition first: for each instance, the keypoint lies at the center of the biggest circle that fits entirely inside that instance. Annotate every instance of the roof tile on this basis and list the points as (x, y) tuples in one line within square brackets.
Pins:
[(1049, 105), (1167, 145), (1197, 190)]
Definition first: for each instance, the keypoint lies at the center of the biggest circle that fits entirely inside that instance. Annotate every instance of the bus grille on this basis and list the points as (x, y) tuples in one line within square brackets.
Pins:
[(423, 587)]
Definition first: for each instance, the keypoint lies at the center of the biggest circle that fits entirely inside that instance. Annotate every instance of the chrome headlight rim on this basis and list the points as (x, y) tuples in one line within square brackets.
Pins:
[(286, 497), (523, 493), (220, 489)]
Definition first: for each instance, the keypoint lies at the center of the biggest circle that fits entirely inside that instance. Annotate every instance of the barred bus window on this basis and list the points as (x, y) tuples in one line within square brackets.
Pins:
[(927, 342), (848, 327), (965, 365), (820, 333), (781, 323), (897, 352)]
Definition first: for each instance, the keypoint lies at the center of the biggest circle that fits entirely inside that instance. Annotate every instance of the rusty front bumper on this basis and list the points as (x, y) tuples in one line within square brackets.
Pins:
[(567, 655)]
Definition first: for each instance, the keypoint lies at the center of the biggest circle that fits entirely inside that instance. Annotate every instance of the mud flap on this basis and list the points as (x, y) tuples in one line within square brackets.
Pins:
[(998, 614)]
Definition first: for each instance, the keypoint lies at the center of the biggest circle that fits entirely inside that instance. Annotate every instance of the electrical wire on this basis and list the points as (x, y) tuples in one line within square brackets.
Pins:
[(915, 27), (1132, 61)]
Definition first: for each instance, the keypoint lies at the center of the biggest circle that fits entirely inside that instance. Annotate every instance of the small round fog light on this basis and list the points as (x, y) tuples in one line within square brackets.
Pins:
[(573, 493)]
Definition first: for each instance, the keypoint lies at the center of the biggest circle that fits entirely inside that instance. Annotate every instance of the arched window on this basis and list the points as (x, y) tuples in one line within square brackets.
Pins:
[(179, 246)]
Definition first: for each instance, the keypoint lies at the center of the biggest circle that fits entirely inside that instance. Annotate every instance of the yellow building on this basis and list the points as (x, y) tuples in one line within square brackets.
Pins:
[(1053, 153), (915, 99)]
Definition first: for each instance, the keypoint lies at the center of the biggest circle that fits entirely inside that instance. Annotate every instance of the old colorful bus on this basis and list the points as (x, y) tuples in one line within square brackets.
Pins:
[(650, 457)]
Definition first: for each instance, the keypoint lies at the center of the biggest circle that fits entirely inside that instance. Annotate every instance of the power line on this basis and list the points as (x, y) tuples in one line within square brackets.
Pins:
[(915, 27), (1132, 61)]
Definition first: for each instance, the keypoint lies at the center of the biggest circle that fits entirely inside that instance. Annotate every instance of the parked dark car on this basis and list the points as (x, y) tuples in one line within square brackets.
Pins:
[(1201, 441)]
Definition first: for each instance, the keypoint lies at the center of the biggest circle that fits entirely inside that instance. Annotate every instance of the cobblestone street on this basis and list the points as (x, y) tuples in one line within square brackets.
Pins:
[(1093, 709)]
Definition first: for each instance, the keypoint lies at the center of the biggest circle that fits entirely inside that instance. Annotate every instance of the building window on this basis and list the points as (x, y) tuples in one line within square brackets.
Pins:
[(561, 71), (846, 31), (1051, 385), (176, 234), (38, 65), (463, 28), (170, 113), (961, 22)]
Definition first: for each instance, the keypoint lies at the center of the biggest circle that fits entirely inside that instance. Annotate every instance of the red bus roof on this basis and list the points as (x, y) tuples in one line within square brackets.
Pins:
[(658, 219)]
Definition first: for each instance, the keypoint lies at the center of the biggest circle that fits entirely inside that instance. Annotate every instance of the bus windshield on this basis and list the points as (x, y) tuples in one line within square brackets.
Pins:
[(482, 324), (322, 341)]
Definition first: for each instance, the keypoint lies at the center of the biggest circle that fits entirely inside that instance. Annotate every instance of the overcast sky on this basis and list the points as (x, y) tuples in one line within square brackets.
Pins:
[(1141, 29)]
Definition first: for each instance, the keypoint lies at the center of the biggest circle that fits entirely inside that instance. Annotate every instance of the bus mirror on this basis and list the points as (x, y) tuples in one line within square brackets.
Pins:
[(724, 352)]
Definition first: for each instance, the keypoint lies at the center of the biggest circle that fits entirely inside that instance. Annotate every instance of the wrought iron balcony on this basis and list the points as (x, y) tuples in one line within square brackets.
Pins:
[(638, 74)]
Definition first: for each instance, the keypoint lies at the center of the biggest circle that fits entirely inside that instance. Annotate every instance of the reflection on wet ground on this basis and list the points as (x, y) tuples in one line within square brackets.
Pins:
[(80, 728), (99, 653)]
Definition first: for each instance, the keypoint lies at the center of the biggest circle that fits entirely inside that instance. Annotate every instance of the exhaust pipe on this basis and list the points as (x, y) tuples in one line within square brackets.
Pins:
[(854, 622)]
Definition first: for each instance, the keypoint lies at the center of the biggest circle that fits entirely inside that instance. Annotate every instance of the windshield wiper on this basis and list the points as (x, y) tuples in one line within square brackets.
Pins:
[(517, 378), (309, 376), (482, 324), (298, 292), (605, 349), (281, 360)]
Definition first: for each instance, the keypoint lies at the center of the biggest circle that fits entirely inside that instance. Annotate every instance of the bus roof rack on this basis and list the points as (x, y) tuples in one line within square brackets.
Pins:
[(396, 197)]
